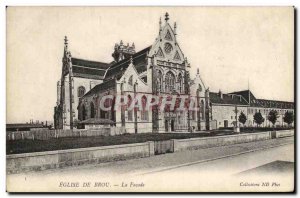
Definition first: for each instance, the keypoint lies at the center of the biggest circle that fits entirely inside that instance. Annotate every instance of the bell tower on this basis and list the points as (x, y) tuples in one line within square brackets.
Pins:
[(123, 51)]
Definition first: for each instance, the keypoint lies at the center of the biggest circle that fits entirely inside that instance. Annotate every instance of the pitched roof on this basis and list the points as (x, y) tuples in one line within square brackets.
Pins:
[(272, 104), (245, 94), (231, 99), (254, 102), (139, 60), (100, 87), (89, 69)]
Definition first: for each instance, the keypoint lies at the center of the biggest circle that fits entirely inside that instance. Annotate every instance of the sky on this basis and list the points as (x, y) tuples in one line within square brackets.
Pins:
[(233, 47)]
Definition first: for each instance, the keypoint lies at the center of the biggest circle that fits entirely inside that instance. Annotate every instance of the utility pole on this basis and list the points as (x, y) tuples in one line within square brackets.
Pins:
[(236, 128)]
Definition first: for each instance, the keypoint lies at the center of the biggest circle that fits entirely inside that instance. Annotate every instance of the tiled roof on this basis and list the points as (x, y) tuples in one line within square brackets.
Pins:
[(88, 69), (139, 61), (231, 99), (100, 87)]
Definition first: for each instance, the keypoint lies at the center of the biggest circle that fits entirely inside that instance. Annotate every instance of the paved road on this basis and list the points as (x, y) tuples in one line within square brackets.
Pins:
[(197, 170)]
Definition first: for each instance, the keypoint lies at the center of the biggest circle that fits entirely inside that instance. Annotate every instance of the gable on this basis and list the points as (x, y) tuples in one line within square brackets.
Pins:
[(166, 48)]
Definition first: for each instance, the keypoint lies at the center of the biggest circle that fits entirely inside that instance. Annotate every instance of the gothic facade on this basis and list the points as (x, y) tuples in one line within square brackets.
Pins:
[(161, 69)]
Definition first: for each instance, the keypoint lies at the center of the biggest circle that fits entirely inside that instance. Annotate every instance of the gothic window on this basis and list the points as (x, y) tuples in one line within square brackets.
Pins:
[(168, 36), (180, 83), (130, 81), (130, 114), (81, 91), (168, 48), (92, 110), (144, 112), (169, 82), (202, 109), (177, 56), (160, 53)]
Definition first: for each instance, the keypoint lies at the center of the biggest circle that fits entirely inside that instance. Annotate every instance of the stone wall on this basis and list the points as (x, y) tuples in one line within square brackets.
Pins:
[(73, 157), (284, 133), (198, 143)]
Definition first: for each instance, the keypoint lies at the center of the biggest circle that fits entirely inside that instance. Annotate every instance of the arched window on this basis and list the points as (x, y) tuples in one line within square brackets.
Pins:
[(81, 91), (130, 114), (179, 83), (144, 112), (92, 110), (170, 82), (159, 80), (130, 81), (202, 110)]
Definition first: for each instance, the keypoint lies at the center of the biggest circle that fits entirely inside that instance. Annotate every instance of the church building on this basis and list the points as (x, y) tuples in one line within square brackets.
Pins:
[(161, 69)]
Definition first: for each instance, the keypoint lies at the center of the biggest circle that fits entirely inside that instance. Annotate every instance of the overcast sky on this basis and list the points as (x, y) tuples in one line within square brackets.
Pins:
[(230, 46)]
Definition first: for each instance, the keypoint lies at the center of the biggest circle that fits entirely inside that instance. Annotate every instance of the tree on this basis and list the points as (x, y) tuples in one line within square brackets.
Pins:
[(272, 117), (288, 117), (258, 119), (242, 118)]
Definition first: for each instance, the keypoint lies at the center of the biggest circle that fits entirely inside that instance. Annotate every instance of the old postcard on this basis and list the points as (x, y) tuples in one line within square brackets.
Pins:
[(150, 99)]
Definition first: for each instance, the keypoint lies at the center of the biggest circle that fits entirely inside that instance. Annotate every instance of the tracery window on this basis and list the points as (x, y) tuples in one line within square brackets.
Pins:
[(169, 82), (180, 83)]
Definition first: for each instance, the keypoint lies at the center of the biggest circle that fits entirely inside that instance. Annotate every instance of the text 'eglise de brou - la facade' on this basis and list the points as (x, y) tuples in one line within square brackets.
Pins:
[(160, 70)]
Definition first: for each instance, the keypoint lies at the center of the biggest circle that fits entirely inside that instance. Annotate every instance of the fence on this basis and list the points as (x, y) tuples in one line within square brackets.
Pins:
[(48, 134)]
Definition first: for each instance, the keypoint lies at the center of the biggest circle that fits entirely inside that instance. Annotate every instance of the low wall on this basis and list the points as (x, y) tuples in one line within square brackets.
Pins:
[(56, 159), (198, 143), (284, 133)]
